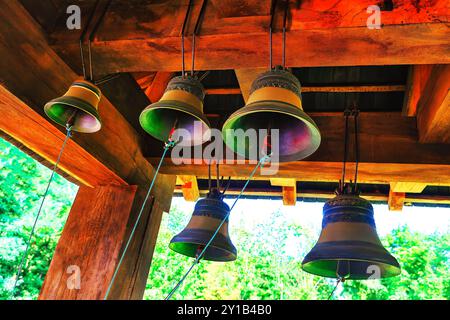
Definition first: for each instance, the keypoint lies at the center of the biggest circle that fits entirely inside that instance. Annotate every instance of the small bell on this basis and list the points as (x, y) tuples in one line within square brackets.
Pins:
[(78, 107), (181, 104), (208, 214), (274, 103), (348, 246)]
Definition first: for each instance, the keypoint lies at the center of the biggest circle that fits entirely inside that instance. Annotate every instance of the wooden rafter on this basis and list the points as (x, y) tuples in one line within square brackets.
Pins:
[(327, 33)]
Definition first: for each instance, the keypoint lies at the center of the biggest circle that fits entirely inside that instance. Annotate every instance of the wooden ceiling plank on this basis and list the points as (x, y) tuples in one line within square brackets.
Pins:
[(433, 114), (417, 78), (410, 187)]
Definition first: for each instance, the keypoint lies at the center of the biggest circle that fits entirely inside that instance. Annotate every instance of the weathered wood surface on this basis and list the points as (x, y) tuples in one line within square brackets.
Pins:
[(433, 114), (145, 36), (418, 76)]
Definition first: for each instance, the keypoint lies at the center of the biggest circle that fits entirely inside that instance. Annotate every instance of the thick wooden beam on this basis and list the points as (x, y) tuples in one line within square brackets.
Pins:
[(320, 171), (417, 79), (320, 194), (93, 237), (410, 187), (189, 186), (396, 200), (246, 77), (289, 189), (433, 115), (329, 33), (340, 89), (156, 90)]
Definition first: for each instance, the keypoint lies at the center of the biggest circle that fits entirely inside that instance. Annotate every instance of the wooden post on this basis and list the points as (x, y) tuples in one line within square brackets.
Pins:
[(93, 238)]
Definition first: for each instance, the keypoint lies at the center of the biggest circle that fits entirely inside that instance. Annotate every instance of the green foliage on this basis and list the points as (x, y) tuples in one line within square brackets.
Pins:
[(22, 183), (269, 265)]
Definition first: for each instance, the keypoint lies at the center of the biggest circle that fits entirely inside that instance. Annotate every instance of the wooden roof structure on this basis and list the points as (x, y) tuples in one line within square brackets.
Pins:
[(398, 75)]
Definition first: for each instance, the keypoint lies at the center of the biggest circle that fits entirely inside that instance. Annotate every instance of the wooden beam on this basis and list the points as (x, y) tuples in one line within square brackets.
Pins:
[(433, 115), (320, 171), (337, 89), (417, 78), (396, 200), (246, 77), (91, 245), (328, 33), (35, 132), (289, 189), (189, 186), (410, 187), (156, 90), (319, 194)]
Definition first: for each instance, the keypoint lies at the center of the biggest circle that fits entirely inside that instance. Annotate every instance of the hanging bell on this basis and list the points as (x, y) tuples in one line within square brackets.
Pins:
[(348, 245), (182, 106), (78, 107), (274, 103), (208, 214)]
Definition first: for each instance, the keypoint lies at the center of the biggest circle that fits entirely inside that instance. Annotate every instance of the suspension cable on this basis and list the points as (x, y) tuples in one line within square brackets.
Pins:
[(260, 163), (183, 28), (28, 244), (83, 34), (195, 33), (355, 115), (272, 11), (169, 144)]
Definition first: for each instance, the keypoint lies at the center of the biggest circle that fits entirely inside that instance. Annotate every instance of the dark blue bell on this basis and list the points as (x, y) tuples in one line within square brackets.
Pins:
[(208, 214), (348, 246)]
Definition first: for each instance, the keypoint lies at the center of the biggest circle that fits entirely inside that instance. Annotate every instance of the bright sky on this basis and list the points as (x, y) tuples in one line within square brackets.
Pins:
[(421, 219)]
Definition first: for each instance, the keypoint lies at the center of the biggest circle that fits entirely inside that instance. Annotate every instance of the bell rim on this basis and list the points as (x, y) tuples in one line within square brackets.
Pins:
[(397, 268), (232, 252), (301, 115), (81, 105), (174, 105)]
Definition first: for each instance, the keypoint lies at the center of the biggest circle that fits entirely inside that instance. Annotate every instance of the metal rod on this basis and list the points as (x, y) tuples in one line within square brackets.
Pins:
[(272, 11), (183, 28), (260, 163), (83, 34), (355, 115), (195, 33), (25, 254), (346, 114), (217, 175), (286, 8)]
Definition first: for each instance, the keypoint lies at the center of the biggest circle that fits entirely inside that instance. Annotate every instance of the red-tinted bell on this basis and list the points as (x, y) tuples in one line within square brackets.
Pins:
[(274, 103), (348, 245), (182, 106), (78, 107)]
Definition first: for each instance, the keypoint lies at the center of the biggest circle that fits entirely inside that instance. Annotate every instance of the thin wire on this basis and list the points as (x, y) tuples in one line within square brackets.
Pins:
[(286, 8), (209, 177), (166, 148), (332, 292), (217, 175), (260, 163), (25, 254)]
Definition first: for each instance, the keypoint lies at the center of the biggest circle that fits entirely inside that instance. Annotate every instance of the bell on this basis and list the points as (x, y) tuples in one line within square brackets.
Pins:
[(348, 245), (78, 108), (182, 106), (275, 103), (208, 214)]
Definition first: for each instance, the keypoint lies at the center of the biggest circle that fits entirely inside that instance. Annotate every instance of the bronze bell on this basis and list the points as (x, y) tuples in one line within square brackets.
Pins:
[(181, 105), (78, 107), (208, 214), (275, 103), (348, 245)]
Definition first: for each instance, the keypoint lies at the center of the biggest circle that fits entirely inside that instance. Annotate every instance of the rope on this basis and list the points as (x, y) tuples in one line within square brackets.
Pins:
[(261, 163), (335, 287), (24, 256), (167, 146)]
